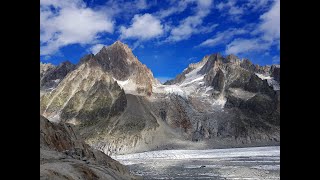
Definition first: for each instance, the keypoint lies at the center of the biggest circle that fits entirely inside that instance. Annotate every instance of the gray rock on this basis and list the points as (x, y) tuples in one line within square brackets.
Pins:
[(52, 76), (59, 139)]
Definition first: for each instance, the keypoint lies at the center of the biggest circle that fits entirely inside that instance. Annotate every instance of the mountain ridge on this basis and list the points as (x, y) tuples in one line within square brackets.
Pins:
[(119, 107)]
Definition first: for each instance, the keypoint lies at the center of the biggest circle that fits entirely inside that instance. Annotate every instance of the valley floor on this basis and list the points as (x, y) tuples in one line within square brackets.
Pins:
[(234, 163)]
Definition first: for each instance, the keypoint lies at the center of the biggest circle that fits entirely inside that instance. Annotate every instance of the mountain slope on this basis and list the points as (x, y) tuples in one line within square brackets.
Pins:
[(118, 107), (249, 101), (85, 95), (63, 155)]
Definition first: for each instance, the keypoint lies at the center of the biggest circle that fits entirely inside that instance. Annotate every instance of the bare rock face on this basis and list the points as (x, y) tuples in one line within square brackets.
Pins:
[(275, 72), (251, 112), (118, 107), (247, 64), (119, 61), (50, 76), (85, 96), (64, 155), (44, 68)]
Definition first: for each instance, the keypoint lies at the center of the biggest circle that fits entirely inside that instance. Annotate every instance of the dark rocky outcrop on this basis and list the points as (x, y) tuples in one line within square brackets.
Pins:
[(51, 77), (64, 155), (275, 72)]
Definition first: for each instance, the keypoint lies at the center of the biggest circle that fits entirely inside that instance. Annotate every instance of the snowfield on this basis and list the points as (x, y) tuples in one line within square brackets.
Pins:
[(233, 163)]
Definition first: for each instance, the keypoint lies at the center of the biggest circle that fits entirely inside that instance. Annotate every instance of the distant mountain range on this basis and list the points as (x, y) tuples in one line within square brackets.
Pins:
[(118, 107)]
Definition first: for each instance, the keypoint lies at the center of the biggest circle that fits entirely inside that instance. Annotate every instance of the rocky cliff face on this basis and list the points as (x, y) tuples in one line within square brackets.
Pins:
[(64, 155), (50, 76), (44, 68), (118, 107), (229, 98), (85, 96), (120, 62)]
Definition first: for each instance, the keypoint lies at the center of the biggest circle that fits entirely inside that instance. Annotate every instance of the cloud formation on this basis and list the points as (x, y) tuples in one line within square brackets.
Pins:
[(238, 46), (267, 34), (69, 22), (96, 48), (143, 27), (258, 37), (191, 24), (223, 37)]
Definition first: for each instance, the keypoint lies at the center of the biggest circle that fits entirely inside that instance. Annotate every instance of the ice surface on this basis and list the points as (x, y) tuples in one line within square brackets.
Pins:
[(196, 154), (234, 163), (128, 85)]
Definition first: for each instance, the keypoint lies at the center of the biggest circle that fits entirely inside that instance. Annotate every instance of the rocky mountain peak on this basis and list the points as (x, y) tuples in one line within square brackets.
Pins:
[(247, 64), (219, 97), (117, 59), (210, 63), (232, 58), (85, 59), (118, 48)]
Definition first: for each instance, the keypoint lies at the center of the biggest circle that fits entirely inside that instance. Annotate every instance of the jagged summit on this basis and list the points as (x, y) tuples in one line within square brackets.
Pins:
[(118, 42), (215, 60), (118, 60), (117, 105)]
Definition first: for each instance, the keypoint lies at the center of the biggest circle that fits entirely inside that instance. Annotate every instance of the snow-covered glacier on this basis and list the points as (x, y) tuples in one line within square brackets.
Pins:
[(233, 163)]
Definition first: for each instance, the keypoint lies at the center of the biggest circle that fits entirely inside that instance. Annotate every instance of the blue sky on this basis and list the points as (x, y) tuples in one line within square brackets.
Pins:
[(166, 35)]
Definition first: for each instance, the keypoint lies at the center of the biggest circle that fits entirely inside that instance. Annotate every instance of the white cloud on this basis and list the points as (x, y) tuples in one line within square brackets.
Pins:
[(267, 34), (223, 37), (143, 27), (238, 46), (255, 5), (261, 36), (270, 26), (175, 7), (96, 48), (70, 23), (235, 11), (191, 24), (141, 4), (231, 8)]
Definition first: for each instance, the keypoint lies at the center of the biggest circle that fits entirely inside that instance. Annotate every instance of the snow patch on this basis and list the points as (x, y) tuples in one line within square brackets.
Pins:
[(270, 80), (128, 85), (263, 77), (185, 83), (174, 89)]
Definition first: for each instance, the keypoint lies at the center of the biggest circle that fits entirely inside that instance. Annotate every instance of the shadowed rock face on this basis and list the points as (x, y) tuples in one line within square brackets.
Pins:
[(44, 68), (50, 76), (275, 72), (64, 155), (120, 62)]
